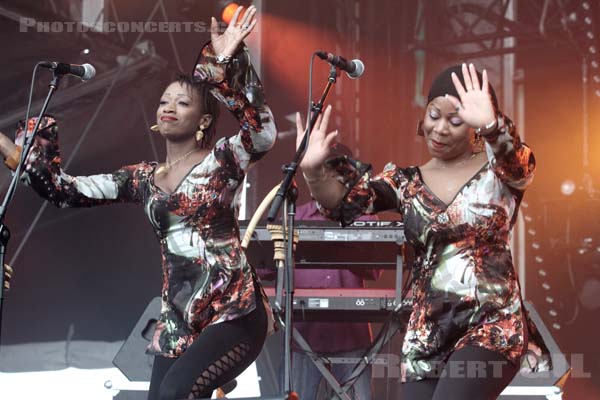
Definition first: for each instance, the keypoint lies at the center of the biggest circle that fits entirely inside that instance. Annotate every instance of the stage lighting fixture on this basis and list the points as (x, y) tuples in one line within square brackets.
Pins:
[(226, 8), (567, 187)]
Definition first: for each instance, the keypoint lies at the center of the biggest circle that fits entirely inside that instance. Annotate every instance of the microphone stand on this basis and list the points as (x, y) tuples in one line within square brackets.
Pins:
[(27, 145), (286, 193)]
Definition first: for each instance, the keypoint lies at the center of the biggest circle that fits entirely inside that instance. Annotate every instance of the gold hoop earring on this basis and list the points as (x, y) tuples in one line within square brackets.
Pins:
[(420, 128), (199, 134), (154, 128)]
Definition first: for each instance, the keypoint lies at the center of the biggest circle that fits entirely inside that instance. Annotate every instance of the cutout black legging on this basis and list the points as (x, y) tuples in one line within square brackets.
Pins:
[(472, 373), (218, 355)]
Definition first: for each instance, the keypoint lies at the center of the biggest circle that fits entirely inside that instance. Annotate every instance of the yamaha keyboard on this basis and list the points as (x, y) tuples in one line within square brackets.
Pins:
[(330, 231), (344, 304), (325, 244)]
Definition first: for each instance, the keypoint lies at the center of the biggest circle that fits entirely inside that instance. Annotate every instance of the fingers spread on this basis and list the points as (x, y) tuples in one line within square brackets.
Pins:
[(251, 26), (299, 130), (248, 15), (214, 28), (317, 124), (474, 77), (299, 126), (325, 121), (467, 78), (329, 139), (236, 15), (458, 85), (485, 84)]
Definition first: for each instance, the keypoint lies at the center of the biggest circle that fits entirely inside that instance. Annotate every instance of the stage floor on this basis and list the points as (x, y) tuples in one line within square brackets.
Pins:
[(78, 370)]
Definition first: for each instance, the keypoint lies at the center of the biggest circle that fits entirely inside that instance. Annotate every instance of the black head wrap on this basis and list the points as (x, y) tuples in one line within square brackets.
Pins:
[(443, 85)]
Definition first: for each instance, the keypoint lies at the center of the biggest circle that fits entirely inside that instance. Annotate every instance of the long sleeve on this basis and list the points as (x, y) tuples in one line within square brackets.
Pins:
[(44, 174), (366, 194), (233, 83), (512, 160)]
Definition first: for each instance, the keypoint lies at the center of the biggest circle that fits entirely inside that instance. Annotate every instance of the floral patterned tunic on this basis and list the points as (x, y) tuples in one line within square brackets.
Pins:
[(464, 285), (206, 277)]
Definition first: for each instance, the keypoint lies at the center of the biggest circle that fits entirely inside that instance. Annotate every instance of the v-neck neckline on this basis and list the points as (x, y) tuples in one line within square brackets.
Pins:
[(458, 192), (183, 179)]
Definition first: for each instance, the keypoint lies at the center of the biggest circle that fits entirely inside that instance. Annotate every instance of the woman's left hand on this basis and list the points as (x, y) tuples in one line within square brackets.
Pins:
[(475, 105), (228, 42)]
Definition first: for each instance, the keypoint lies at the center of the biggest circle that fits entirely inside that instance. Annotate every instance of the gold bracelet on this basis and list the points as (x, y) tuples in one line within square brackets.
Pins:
[(13, 160)]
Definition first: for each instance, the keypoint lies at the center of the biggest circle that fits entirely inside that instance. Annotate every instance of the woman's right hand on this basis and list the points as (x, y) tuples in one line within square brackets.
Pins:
[(319, 145), (238, 28)]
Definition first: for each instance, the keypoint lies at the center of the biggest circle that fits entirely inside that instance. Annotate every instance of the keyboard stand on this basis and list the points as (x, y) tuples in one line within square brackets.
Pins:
[(386, 334)]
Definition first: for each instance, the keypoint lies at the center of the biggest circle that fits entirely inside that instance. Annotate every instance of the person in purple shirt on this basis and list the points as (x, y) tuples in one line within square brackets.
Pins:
[(330, 339)]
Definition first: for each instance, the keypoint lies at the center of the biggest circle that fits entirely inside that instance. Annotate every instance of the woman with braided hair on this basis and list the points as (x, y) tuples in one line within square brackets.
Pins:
[(214, 317)]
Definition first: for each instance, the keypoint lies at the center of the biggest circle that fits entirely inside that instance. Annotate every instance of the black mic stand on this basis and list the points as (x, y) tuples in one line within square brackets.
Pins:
[(27, 144), (285, 193)]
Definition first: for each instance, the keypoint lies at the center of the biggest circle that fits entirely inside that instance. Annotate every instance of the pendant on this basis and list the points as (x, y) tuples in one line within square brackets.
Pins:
[(443, 218)]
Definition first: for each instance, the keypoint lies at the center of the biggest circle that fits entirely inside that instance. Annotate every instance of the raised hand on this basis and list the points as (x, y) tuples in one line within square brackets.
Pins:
[(228, 42), (319, 145), (475, 104)]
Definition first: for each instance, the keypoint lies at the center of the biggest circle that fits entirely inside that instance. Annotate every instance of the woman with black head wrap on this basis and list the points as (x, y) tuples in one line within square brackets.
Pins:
[(468, 330)]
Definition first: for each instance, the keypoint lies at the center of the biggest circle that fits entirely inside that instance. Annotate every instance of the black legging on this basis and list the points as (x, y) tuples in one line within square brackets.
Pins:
[(219, 354), (472, 373)]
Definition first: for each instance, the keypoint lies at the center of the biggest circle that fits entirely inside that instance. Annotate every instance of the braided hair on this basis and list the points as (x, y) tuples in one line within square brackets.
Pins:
[(208, 105)]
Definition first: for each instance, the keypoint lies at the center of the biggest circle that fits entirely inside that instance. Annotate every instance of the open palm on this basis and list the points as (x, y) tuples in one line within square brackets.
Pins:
[(475, 105), (228, 42), (319, 145)]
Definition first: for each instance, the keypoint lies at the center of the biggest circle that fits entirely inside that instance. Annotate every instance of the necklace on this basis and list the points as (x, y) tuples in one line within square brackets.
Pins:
[(168, 165), (459, 163)]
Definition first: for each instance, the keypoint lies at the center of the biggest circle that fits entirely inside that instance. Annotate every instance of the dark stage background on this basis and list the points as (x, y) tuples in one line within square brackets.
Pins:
[(89, 273)]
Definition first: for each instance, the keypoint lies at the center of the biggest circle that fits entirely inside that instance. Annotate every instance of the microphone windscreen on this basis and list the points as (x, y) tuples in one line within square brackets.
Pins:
[(359, 69), (89, 73)]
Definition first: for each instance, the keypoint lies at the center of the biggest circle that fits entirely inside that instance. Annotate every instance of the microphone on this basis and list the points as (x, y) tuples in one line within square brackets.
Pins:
[(85, 71), (354, 68)]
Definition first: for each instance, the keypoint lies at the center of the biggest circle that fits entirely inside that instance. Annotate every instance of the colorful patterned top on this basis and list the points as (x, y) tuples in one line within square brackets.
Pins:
[(464, 285), (206, 277)]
